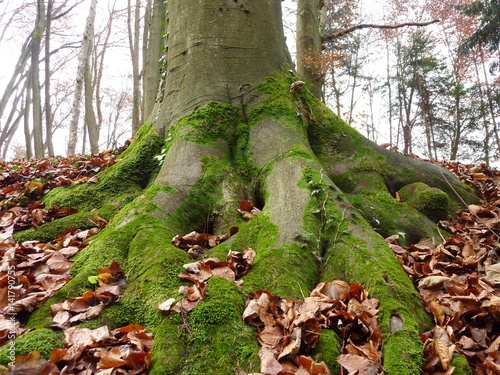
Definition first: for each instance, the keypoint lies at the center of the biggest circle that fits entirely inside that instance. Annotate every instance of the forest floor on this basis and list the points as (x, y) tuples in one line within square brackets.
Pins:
[(458, 280)]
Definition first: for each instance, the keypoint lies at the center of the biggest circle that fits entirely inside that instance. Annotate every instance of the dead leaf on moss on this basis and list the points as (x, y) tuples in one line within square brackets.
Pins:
[(287, 329), (90, 304)]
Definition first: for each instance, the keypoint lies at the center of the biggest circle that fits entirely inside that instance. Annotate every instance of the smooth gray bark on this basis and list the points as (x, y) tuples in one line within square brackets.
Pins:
[(35, 79), (309, 44), (48, 110), (83, 59), (133, 40), (231, 47), (152, 52)]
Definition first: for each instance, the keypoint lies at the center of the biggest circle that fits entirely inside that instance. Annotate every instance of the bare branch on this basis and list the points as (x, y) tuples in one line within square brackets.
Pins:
[(338, 34)]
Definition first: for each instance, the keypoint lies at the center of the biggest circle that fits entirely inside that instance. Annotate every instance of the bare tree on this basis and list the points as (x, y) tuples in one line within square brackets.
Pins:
[(35, 78), (82, 63), (48, 112), (133, 38)]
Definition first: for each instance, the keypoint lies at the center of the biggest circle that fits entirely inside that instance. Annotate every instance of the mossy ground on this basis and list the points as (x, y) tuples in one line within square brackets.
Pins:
[(43, 340)]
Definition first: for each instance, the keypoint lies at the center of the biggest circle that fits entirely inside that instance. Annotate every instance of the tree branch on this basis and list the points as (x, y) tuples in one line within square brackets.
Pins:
[(338, 34)]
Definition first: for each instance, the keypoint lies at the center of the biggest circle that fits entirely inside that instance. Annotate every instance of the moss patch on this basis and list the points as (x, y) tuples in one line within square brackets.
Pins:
[(81, 220), (118, 183), (44, 340), (211, 123), (328, 349), (221, 343), (365, 258), (403, 353), (461, 365), (432, 202)]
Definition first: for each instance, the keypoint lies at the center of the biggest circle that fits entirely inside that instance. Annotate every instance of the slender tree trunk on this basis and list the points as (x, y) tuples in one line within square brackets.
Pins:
[(309, 44), (26, 122), (133, 38), (336, 92), (354, 84), (152, 52), (35, 77), (90, 119), (491, 106), (10, 123), (48, 109), (98, 66), (80, 77), (486, 130), (389, 92), (18, 75), (457, 134)]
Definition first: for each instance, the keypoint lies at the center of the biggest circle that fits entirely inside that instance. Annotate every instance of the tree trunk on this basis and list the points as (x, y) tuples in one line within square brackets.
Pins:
[(231, 128), (133, 39), (90, 119), (35, 79), (48, 110), (309, 44), (152, 52), (491, 105), (26, 120), (82, 63), (98, 65)]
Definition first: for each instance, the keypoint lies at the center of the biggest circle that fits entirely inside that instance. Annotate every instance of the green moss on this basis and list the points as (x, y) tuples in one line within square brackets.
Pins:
[(331, 138), (43, 340), (403, 353), (82, 220), (278, 103), (344, 181), (459, 361), (142, 248), (432, 202), (363, 257), (328, 349), (387, 215), (221, 343), (117, 184), (275, 269), (204, 194), (211, 123)]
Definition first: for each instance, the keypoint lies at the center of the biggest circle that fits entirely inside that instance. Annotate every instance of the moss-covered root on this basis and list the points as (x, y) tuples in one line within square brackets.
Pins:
[(42, 340), (362, 256), (219, 341), (120, 183), (461, 365), (389, 216)]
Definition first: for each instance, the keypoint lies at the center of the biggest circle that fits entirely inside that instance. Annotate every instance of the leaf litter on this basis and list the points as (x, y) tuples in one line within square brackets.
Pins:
[(31, 272), (459, 280)]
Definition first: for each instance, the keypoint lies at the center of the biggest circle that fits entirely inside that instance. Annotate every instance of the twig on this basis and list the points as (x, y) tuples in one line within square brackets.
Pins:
[(337, 34)]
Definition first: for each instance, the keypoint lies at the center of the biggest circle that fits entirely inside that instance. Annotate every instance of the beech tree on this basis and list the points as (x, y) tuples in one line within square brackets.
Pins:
[(235, 123), (83, 61)]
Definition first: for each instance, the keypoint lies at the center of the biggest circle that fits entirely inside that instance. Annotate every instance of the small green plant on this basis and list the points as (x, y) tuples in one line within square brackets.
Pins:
[(319, 193), (163, 153)]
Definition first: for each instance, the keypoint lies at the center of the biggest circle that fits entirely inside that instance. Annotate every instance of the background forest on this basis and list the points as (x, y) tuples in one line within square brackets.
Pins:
[(81, 76)]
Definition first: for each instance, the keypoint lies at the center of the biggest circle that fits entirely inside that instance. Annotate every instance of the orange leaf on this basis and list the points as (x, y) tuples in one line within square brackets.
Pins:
[(130, 328), (111, 358), (57, 355), (104, 278), (246, 206)]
